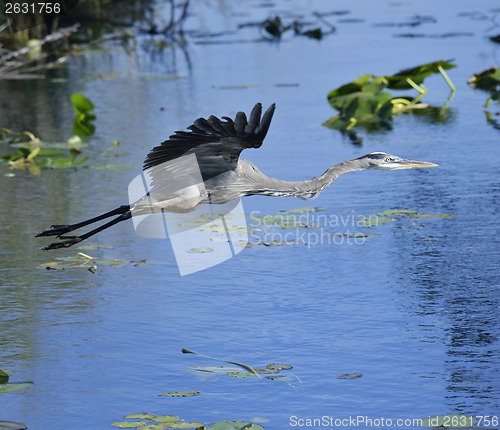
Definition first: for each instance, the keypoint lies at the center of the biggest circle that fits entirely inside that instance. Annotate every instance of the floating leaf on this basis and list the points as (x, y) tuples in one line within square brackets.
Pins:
[(488, 79), (82, 105), (127, 424), (180, 393), (350, 376), (395, 212), (278, 367), (242, 375), (430, 216), (186, 425), (158, 426), (14, 386), (399, 81), (166, 418), (143, 416), (449, 421), (265, 370), (374, 221)]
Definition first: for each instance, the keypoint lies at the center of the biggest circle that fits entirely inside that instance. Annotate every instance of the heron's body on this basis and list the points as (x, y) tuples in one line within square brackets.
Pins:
[(202, 166)]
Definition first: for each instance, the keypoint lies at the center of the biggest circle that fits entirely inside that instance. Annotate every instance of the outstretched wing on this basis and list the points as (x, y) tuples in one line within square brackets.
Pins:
[(217, 144)]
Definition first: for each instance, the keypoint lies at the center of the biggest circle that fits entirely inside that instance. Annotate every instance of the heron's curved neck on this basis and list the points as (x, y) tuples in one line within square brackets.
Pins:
[(277, 187)]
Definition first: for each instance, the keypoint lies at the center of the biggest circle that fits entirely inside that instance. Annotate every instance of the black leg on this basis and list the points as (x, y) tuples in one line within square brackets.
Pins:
[(72, 240), (58, 230)]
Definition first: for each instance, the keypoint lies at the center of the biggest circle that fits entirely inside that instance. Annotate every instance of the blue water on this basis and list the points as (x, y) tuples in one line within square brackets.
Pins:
[(415, 310)]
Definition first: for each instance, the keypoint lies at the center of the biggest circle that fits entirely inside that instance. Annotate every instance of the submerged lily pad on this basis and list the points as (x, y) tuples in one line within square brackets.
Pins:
[(200, 250), (449, 421), (374, 221), (180, 393), (350, 376), (304, 210), (242, 375)]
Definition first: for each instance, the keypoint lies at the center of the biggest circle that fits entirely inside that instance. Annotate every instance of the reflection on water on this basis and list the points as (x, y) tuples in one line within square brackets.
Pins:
[(415, 310)]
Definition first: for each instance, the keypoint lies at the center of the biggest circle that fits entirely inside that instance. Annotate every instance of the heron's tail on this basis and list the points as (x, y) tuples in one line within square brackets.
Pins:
[(123, 213)]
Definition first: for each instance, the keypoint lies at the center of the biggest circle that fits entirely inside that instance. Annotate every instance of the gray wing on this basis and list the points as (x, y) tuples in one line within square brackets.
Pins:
[(217, 144)]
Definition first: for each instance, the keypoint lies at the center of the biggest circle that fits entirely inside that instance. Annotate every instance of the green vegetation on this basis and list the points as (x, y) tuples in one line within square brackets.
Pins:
[(8, 387), (33, 154), (82, 125), (161, 422), (275, 28), (365, 102), (488, 80)]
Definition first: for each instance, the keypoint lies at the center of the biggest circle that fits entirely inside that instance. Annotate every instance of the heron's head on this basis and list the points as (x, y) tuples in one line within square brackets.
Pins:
[(383, 161)]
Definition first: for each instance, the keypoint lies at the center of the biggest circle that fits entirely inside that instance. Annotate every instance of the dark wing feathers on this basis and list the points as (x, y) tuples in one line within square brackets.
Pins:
[(213, 138)]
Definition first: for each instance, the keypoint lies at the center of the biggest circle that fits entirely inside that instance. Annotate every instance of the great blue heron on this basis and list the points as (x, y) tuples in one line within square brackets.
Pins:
[(225, 177)]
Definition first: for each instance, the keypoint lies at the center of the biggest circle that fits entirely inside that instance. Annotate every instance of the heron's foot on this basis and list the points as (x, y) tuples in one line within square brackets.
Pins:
[(70, 241), (56, 230)]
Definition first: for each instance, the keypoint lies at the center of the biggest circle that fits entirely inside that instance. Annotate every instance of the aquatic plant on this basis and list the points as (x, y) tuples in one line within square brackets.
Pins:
[(366, 102), (8, 387), (488, 80)]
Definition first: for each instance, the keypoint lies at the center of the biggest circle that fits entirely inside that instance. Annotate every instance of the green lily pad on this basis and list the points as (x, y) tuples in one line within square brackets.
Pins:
[(14, 386), (4, 377), (186, 425), (242, 375), (166, 418), (399, 81), (395, 212), (180, 393), (449, 421), (143, 416), (127, 424), (265, 370), (278, 367), (431, 216), (157, 426), (234, 425), (374, 221)]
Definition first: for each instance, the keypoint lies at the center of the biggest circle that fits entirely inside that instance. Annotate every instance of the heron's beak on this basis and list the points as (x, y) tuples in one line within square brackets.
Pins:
[(408, 164)]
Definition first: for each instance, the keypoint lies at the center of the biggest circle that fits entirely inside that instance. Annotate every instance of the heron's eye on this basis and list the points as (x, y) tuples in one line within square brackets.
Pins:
[(388, 159)]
